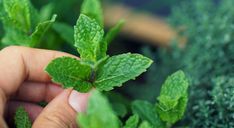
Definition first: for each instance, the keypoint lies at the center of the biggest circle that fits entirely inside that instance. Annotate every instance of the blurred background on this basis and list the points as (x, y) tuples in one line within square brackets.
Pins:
[(195, 36)]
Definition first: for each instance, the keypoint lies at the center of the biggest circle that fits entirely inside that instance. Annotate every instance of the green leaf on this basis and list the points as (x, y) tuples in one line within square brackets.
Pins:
[(15, 37), (146, 111), (18, 12), (119, 69), (70, 72), (46, 11), (145, 124), (22, 119), (120, 109), (40, 31), (99, 113), (88, 38), (65, 31), (113, 32), (132, 122), (173, 98), (19, 20), (120, 103), (111, 35), (92, 8), (34, 15)]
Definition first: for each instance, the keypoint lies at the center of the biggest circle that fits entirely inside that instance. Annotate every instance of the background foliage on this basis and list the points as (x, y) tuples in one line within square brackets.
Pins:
[(208, 57)]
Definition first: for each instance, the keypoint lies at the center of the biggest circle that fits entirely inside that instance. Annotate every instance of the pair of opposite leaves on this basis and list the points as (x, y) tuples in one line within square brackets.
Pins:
[(95, 68)]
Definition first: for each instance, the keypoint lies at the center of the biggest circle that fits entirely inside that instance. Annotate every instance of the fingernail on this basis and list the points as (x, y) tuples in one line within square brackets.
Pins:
[(78, 101)]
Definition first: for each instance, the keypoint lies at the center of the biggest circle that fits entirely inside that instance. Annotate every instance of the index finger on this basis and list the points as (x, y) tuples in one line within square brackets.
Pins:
[(20, 63)]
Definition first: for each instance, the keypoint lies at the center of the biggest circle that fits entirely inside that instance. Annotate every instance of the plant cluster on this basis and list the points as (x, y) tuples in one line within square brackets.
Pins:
[(207, 59), (24, 25), (94, 69), (169, 108)]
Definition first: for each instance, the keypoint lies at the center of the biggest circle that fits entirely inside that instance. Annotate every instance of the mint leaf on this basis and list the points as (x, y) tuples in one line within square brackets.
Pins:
[(92, 8), (22, 119), (120, 104), (173, 98), (132, 122), (120, 109), (88, 38), (20, 19), (145, 124), (111, 35), (18, 12), (119, 69), (114, 31), (99, 113), (40, 31), (46, 11), (70, 72), (16, 37), (146, 111)]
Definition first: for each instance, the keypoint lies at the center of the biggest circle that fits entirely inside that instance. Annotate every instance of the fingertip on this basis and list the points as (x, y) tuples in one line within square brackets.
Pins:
[(78, 101), (58, 113)]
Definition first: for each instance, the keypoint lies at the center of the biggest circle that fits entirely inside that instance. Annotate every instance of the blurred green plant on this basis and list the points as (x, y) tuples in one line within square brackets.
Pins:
[(29, 26), (91, 69), (149, 87), (169, 108), (22, 23), (172, 101), (68, 10), (207, 59)]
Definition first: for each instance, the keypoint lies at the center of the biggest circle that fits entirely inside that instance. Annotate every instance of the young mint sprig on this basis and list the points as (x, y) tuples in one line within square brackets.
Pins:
[(95, 68), (171, 104), (173, 98)]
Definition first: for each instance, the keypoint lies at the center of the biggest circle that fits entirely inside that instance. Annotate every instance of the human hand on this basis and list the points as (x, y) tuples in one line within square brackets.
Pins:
[(23, 82)]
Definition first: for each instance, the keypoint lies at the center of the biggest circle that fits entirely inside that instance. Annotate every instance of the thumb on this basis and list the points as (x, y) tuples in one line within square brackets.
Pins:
[(62, 110)]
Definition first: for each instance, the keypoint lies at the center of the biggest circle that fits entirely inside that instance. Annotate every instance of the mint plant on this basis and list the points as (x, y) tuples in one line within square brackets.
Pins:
[(95, 68), (98, 116), (173, 98), (25, 26), (169, 108), (213, 51), (132, 122), (22, 23)]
